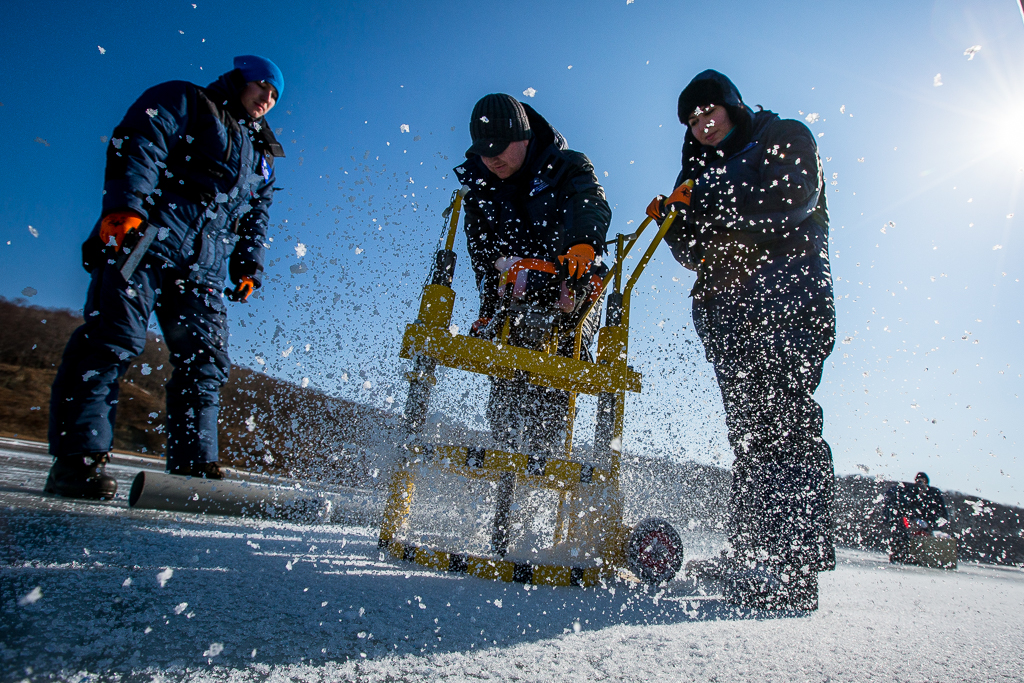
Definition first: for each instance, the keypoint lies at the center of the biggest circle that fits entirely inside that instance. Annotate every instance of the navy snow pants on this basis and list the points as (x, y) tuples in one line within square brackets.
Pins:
[(83, 400), (768, 341)]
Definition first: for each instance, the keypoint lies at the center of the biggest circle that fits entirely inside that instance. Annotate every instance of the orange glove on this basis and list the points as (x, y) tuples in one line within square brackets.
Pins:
[(115, 226), (241, 291), (661, 205), (580, 257), (477, 328)]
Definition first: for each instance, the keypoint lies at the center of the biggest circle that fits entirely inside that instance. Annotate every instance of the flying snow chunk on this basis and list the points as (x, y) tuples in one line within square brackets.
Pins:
[(616, 444), (304, 382), (454, 330), (102, 49), (29, 291), (31, 597), (485, 119), (180, 607), (152, 112), (864, 468), (367, 385), (969, 52), (404, 128), (812, 118), (300, 249), (998, 246), (215, 649), (287, 352), (529, 92), (250, 423), (937, 81), (164, 576), (260, 360), (35, 233), (842, 109)]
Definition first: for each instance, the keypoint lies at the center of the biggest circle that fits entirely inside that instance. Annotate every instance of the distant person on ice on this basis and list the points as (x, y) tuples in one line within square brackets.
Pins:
[(197, 163), (913, 508), (754, 227), (531, 197)]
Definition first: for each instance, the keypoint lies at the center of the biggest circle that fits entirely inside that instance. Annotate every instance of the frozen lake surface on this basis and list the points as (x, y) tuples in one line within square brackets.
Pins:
[(96, 591)]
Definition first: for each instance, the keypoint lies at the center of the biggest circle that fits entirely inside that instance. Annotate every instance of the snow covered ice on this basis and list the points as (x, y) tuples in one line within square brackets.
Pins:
[(255, 600)]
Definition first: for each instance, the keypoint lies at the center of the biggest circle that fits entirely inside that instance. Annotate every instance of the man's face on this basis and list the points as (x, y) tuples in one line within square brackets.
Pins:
[(710, 124), (509, 161), (921, 482), (258, 98)]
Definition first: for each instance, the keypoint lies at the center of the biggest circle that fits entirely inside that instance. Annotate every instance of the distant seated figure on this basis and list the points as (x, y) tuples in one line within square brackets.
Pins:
[(913, 509)]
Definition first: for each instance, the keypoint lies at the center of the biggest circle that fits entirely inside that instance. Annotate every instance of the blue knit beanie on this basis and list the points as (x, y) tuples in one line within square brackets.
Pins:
[(256, 68)]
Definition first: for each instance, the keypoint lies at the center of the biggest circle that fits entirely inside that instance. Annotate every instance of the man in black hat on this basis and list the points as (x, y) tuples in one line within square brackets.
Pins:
[(754, 227), (913, 508), (531, 198)]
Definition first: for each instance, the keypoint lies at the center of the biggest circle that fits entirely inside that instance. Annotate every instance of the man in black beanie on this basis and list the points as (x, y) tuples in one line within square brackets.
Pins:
[(755, 229), (531, 198)]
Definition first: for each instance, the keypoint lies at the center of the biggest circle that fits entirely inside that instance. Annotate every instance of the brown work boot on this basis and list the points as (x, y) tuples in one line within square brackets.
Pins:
[(81, 476)]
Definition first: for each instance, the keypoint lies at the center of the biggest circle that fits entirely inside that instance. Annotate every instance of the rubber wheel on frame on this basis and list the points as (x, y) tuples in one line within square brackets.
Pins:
[(654, 551)]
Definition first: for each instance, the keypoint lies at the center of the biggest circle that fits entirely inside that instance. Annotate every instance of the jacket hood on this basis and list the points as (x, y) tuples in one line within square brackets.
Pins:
[(226, 93)]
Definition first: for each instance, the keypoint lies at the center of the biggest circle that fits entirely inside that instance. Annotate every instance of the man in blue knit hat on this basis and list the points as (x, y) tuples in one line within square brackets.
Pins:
[(192, 168)]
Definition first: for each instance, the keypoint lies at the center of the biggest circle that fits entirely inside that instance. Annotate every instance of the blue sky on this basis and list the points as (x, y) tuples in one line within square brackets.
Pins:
[(923, 182)]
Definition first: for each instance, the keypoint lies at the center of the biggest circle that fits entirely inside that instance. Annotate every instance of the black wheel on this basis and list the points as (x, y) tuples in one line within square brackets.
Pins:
[(654, 551)]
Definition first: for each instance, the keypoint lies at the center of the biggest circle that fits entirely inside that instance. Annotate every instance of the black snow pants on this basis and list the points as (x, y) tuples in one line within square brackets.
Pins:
[(83, 400), (768, 341), (516, 407)]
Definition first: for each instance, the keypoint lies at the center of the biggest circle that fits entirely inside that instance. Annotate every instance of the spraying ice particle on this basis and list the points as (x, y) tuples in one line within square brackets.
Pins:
[(529, 92), (180, 607), (969, 52), (32, 231), (404, 128), (215, 649), (31, 597), (812, 118), (300, 249), (367, 385), (102, 49), (305, 382), (163, 577), (937, 81)]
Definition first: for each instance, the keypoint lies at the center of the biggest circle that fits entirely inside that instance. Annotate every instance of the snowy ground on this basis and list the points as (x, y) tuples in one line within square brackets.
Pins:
[(95, 591)]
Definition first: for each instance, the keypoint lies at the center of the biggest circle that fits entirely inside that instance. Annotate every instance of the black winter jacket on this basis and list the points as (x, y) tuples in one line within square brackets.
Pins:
[(914, 502), (759, 196), (192, 162), (552, 203)]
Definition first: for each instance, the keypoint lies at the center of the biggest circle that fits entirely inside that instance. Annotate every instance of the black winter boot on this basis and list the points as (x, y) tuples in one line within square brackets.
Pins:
[(81, 476), (205, 470)]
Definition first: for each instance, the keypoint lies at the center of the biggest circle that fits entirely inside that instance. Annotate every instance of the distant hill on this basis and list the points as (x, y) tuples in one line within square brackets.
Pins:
[(275, 426)]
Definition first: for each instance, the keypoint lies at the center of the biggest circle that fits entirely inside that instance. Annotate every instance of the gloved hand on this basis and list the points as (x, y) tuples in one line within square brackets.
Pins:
[(661, 205), (241, 291), (115, 226), (578, 259), (477, 328)]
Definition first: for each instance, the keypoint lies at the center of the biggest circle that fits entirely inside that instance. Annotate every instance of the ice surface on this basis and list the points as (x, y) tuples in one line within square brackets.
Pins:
[(343, 612)]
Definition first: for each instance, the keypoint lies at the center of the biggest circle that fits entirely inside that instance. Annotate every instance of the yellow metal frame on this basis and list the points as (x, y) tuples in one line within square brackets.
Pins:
[(590, 507)]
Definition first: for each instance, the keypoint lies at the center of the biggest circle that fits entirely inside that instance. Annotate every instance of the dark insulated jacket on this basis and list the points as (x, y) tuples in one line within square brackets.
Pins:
[(194, 164), (911, 501), (552, 203), (758, 203)]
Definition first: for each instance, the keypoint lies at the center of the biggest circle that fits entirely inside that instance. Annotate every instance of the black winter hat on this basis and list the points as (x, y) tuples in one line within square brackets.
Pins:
[(708, 87), (497, 120), (922, 475)]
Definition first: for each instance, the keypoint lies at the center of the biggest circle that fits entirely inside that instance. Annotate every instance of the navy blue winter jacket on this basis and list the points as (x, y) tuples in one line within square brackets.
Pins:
[(550, 204), (192, 162), (760, 196)]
